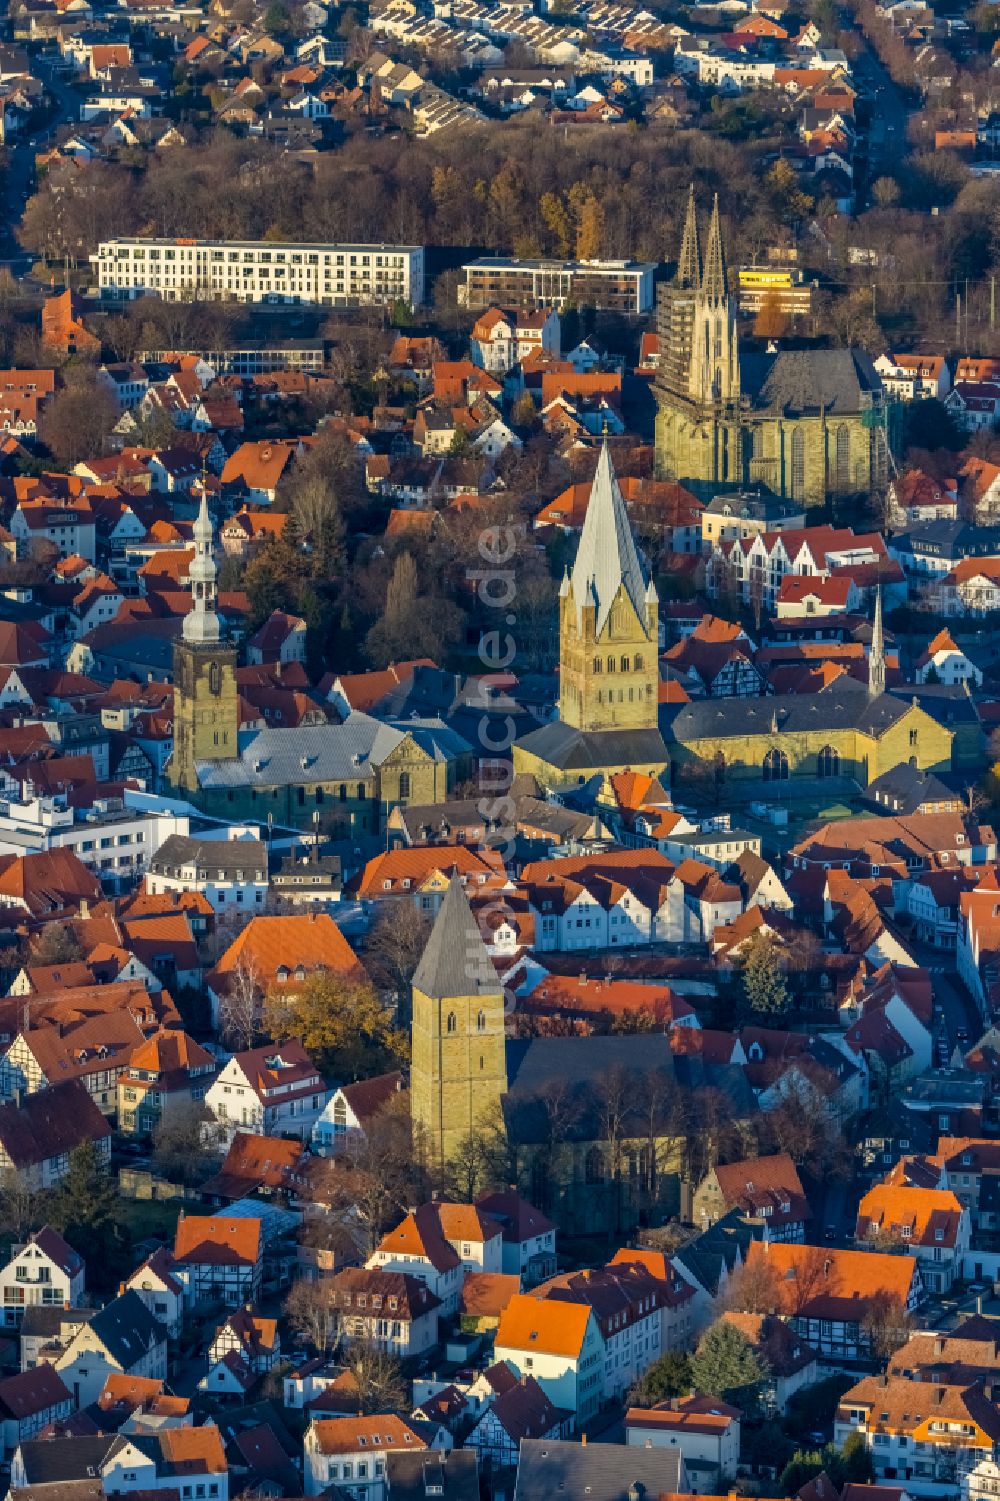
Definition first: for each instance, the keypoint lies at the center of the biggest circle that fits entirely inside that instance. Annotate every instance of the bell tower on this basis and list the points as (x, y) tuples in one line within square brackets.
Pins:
[(608, 621), (458, 1064), (206, 704)]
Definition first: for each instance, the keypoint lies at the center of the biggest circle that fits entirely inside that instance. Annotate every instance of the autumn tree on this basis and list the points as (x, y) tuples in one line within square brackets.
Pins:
[(75, 422), (772, 321), (413, 624), (342, 1023), (57, 943)]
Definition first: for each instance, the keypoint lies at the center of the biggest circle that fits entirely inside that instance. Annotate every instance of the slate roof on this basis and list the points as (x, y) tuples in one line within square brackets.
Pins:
[(602, 1472), (215, 856), (560, 744), (330, 752), (844, 705), (49, 1460), (455, 961), (127, 1329), (607, 558), (454, 1476), (803, 380)]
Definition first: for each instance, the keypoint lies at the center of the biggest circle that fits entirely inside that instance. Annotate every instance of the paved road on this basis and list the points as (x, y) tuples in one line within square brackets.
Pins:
[(18, 181), (889, 113)]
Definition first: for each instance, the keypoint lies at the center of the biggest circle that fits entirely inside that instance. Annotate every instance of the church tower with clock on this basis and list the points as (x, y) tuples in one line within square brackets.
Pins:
[(206, 706)]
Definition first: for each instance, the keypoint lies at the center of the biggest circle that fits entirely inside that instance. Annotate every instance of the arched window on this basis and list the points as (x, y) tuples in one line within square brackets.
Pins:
[(775, 766), (452, 1021), (611, 664), (798, 464), (637, 663), (623, 665), (404, 784), (828, 762), (215, 678), (320, 795), (481, 1022), (597, 664), (842, 470), (593, 1166)]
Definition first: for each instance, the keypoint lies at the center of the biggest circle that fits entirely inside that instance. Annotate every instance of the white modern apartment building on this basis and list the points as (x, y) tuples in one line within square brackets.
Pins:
[(260, 271)]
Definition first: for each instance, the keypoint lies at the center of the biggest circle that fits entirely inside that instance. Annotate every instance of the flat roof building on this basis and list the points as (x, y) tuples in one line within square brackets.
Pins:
[(260, 271), (613, 286)]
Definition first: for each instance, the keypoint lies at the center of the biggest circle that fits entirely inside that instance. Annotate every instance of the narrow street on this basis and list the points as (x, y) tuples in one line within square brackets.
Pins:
[(18, 181)]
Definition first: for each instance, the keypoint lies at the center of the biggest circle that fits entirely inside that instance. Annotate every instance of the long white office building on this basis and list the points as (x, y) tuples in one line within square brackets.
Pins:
[(260, 271)]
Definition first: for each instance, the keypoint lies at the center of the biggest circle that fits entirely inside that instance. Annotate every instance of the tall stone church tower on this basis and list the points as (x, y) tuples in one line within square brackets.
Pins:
[(206, 706), (458, 1065), (608, 621)]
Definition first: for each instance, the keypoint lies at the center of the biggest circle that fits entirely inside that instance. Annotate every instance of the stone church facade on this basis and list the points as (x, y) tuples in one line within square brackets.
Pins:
[(808, 425)]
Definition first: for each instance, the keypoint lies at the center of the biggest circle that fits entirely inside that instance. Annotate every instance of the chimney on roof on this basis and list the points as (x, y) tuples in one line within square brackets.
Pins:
[(583, 1440), (84, 907)]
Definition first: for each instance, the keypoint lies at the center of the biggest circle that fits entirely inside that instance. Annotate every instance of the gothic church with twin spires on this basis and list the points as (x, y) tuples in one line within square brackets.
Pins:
[(804, 424)]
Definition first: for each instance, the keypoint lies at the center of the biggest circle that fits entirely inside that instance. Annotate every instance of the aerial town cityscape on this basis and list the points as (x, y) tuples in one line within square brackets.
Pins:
[(499, 750)]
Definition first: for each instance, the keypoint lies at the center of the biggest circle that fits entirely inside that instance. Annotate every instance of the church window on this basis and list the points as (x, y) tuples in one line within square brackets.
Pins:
[(215, 678), (482, 1062), (843, 461), (623, 666), (300, 793), (481, 1022), (318, 796), (621, 695), (798, 463), (404, 784), (913, 737), (452, 1022), (829, 762), (361, 789), (631, 695), (593, 1166), (775, 766), (597, 664), (637, 663), (611, 664)]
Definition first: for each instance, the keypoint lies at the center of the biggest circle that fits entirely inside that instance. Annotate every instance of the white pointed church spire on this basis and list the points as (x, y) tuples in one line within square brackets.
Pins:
[(608, 558), (201, 623), (876, 652)]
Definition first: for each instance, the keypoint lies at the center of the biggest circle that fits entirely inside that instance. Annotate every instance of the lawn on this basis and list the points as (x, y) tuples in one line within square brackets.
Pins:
[(141, 1219)]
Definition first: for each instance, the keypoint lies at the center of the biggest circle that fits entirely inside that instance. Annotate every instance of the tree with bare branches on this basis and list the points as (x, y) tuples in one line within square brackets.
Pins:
[(241, 1007), (311, 1310), (378, 1376)]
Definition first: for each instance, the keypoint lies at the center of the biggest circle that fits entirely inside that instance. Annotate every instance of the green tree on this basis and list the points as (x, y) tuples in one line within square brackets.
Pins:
[(84, 1206), (726, 1365), (342, 1023), (670, 1376), (764, 987)]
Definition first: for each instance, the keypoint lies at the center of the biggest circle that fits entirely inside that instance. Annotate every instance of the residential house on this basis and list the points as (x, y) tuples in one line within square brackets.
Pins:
[(519, 1410), (45, 1272), (560, 1345), (163, 1287), (930, 1224), (122, 1338), (790, 1363), (396, 1312), (350, 1453), (165, 1077), (829, 1296), (925, 1437), (223, 1258), (705, 1430), (766, 1190), (528, 1238), (38, 1135), (439, 1243), (29, 1402), (270, 1091), (350, 1109)]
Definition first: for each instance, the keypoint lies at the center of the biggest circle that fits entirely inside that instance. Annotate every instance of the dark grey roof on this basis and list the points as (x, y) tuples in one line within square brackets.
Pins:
[(214, 856), (948, 539), (48, 1460), (715, 1250), (127, 1329), (561, 745), (46, 1323), (946, 702), (570, 1073), (455, 961), (904, 788), (841, 381), (601, 1472), (844, 705), (413, 1477)]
